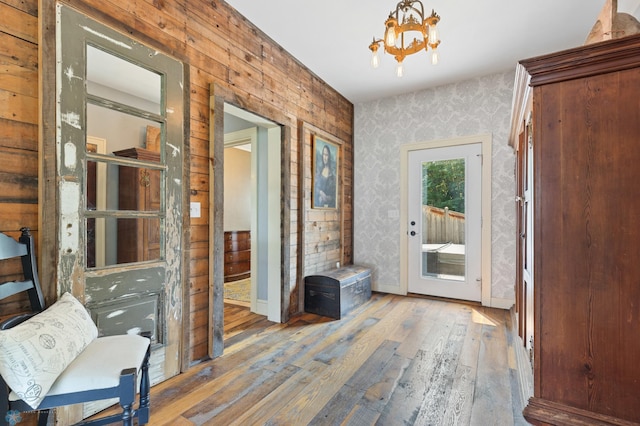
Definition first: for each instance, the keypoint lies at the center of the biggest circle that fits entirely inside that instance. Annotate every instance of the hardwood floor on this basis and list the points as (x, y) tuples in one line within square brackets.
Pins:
[(394, 361)]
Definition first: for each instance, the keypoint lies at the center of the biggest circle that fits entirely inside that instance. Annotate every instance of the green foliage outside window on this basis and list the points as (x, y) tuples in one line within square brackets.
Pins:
[(443, 184)]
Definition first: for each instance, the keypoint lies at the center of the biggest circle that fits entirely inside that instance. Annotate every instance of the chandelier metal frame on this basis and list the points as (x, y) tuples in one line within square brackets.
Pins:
[(408, 17)]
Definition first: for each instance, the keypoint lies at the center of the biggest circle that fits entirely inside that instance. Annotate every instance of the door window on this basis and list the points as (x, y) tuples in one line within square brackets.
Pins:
[(443, 219)]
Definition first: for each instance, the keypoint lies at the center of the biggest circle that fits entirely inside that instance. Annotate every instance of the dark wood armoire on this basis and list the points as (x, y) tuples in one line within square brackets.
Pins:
[(577, 113), (139, 190)]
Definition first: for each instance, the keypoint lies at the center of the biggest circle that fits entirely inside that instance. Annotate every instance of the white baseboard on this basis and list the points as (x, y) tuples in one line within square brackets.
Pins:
[(499, 303), (496, 302), (523, 368), (261, 307), (392, 289)]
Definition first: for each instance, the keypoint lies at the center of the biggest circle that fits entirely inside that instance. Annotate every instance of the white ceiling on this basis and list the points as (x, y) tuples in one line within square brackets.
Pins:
[(331, 38)]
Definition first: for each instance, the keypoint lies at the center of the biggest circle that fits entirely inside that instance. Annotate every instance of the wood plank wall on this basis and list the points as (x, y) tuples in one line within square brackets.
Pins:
[(18, 128), (325, 241), (220, 46)]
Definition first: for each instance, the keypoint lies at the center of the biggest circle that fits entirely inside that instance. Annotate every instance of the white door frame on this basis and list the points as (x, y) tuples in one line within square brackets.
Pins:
[(485, 140), (467, 285)]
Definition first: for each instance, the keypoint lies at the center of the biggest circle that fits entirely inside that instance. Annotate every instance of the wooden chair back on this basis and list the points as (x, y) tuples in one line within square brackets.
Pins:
[(29, 282)]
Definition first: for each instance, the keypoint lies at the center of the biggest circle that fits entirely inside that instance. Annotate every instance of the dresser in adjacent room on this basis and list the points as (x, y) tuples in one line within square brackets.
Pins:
[(237, 255)]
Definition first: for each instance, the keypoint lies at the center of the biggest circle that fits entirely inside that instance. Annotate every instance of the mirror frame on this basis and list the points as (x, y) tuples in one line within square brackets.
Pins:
[(50, 206)]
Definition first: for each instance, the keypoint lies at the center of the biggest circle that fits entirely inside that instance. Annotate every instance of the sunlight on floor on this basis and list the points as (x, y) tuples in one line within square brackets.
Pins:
[(480, 318)]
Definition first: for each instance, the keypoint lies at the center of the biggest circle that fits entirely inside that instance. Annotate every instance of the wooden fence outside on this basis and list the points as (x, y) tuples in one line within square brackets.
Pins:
[(442, 226)]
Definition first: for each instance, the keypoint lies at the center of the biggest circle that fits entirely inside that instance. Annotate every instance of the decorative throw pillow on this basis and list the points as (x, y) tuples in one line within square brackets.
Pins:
[(34, 353)]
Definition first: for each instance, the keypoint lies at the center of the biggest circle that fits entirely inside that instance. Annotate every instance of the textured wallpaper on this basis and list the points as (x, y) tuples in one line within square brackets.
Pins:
[(478, 106)]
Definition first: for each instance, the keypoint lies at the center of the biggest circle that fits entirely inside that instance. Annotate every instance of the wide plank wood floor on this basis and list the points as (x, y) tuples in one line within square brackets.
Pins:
[(394, 361)]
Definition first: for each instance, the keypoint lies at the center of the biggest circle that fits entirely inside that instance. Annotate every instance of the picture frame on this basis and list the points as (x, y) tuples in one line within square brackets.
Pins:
[(325, 174)]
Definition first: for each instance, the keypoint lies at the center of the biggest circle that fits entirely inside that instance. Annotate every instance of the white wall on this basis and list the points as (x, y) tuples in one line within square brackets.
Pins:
[(480, 105), (237, 189), (121, 130)]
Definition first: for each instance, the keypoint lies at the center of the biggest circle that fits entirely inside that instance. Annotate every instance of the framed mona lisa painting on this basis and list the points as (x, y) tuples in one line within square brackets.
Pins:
[(325, 163)]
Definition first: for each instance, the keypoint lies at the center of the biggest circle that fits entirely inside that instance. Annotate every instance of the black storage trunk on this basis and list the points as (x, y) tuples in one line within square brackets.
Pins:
[(334, 293)]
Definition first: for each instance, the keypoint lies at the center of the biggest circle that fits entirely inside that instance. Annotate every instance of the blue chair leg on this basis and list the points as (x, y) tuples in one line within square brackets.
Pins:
[(143, 409), (127, 395), (43, 417)]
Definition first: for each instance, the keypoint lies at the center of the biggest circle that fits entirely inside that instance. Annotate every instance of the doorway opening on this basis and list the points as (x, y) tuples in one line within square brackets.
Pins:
[(239, 145), (273, 210), (252, 209)]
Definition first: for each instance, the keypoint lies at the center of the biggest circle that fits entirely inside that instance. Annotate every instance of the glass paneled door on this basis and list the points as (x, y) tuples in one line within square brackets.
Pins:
[(444, 242)]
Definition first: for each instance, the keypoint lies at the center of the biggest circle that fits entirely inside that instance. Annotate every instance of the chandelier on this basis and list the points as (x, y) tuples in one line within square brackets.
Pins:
[(407, 21)]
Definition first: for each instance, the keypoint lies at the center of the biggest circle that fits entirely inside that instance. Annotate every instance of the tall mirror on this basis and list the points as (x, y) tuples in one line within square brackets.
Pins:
[(123, 108), (119, 182)]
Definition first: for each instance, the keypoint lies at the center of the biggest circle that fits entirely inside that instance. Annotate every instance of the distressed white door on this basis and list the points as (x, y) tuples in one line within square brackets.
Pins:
[(120, 222)]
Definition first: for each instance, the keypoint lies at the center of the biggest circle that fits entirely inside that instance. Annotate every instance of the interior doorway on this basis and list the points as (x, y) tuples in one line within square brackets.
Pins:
[(238, 288), (261, 140), (275, 197)]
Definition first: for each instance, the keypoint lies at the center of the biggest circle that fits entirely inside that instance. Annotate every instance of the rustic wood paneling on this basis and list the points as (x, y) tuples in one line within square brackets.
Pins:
[(17, 107), (16, 51), (28, 6), (18, 125), (18, 135), (219, 46), (19, 80), (18, 23)]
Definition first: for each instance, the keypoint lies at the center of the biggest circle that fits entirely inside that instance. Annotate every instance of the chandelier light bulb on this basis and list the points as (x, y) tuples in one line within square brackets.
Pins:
[(400, 69), (390, 32), (390, 40), (375, 60), (433, 34), (435, 57)]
